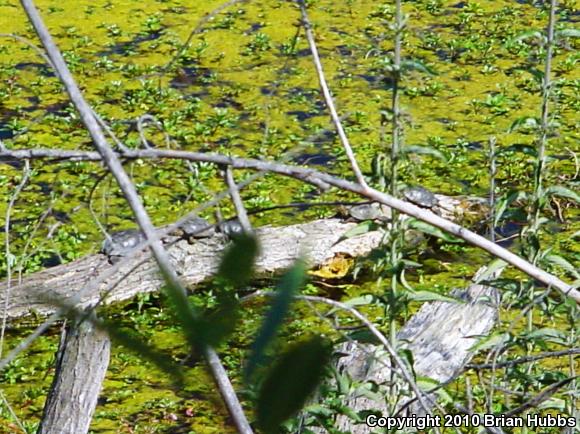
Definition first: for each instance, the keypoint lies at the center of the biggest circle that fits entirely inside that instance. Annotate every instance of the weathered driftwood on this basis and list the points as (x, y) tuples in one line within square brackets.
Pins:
[(281, 246), (82, 362), (440, 337)]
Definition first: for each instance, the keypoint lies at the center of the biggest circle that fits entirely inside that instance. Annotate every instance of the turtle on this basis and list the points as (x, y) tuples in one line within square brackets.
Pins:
[(120, 243), (369, 211), (196, 227), (420, 196), (231, 228)]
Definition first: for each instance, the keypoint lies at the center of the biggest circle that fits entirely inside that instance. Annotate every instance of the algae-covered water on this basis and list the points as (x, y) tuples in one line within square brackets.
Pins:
[(245, 85)]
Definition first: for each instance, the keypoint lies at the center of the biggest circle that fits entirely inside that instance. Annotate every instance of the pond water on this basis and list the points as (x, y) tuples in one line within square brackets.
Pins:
[(245, 85)]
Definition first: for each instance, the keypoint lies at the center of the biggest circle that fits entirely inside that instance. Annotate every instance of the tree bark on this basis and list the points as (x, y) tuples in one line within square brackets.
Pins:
[(82, 362), (194, 263)]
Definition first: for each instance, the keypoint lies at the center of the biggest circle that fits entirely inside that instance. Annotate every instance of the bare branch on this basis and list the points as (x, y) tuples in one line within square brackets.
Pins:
[(322, 180), (328, 97), (237, 200), (406, 375), (25, 177), (116, 168), (524, 359)]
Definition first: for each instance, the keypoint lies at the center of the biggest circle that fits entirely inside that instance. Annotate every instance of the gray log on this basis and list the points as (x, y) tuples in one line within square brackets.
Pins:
[(440, 336), (82, 362), (281, 246)]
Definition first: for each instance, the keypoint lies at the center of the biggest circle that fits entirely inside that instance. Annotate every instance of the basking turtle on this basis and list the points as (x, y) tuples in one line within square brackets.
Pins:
[(194, 228), (231, 228), (120, 243), (369, 211), (420, 196)]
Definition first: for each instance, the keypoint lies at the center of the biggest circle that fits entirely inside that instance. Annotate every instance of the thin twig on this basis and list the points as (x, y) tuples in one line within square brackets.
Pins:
[(17, 191), (237, 200), (520, 360), (322, 180), (328, 97), (407, 376), (540, 397)]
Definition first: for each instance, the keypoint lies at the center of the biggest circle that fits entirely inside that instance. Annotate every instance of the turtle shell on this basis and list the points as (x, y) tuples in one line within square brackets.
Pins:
[(231, 228), (197, 227), (122, 242), (369, 211), (420, 196)]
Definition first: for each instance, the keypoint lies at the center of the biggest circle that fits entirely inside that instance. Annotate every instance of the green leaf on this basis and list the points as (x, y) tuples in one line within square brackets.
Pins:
[(568, 33), (490, 270), (416, 65), (289, 284), (503, 204), (238, 260), (289, 383), (530, 34), (427, 384), (360, 229), (519, 147), (492, 341), (426, 228), (560, 261), (526, 122), (424, 150), (548, 334), (363, 300), (425, 295), (558, 190)]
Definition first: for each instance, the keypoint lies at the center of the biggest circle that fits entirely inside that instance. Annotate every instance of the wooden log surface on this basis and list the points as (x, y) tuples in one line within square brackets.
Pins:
[(196, 262), (440, 335), (82, 363)]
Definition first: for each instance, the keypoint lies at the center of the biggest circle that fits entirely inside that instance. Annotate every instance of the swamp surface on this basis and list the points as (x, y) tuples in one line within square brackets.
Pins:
[(245, 85)]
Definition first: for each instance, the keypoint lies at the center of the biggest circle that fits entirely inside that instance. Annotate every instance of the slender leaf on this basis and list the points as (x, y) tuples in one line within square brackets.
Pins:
[(416, 65), (424, 150), (360, 229), (530, 34), (558, 190), (503, 204), (237, 263), (289, 284), (495, 266), (289, 383), (525, 122), (432, 230), (560, 261), (427, 384), (430, 296), (568, 33), (492, 341)]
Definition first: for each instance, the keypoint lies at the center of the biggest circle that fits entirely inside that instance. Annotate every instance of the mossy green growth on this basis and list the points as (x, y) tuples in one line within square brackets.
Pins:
[(246, 86)]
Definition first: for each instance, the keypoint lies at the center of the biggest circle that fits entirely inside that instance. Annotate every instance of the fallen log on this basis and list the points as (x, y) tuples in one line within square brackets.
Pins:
[(197, 262), (81, 365), (441, 337)]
